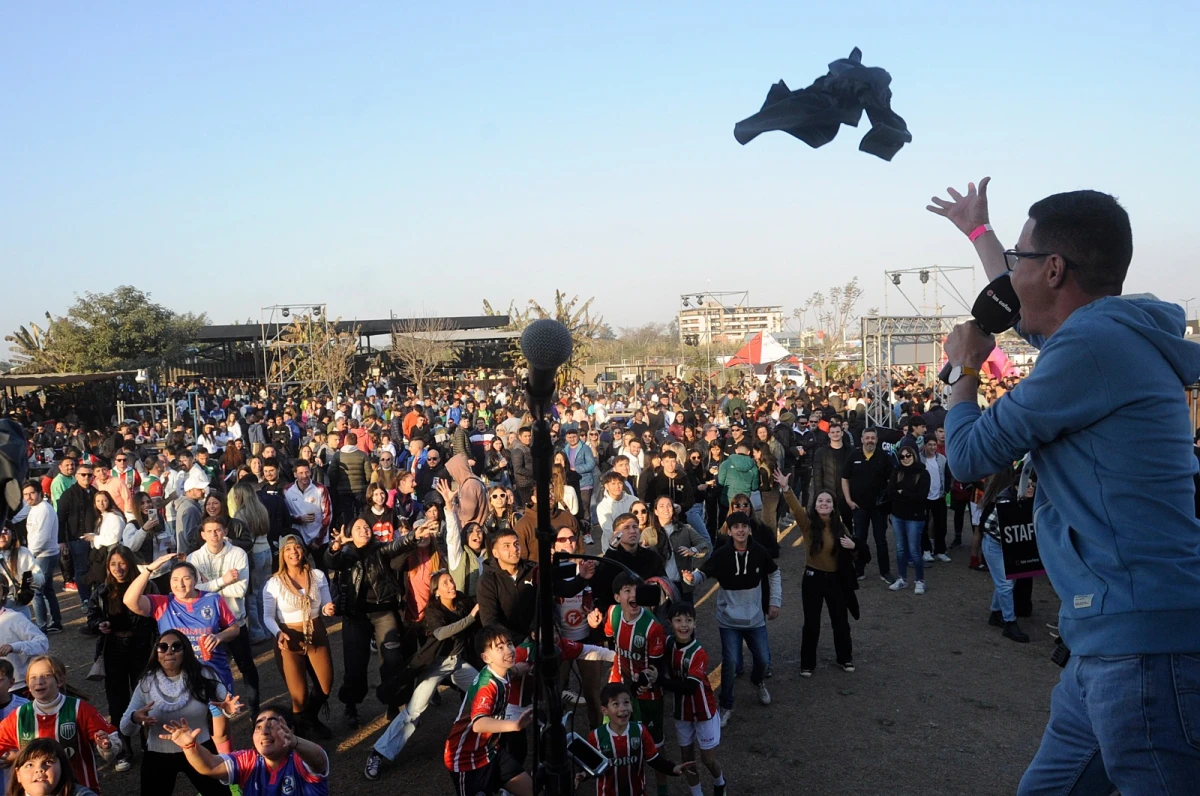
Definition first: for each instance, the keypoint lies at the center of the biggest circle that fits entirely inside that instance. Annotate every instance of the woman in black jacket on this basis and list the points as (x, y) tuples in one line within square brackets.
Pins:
[(450, 618), (908, 490), (369, 598), (125, 638)]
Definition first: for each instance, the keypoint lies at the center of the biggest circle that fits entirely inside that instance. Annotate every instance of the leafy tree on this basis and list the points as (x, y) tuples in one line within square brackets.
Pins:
[(312, 352), (421, 346), (571, 312), (122, 330)]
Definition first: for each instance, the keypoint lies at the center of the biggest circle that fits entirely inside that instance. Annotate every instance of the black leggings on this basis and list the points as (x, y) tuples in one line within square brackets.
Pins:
[(124, 661), (160, 770), (821, 588), (357, 632)]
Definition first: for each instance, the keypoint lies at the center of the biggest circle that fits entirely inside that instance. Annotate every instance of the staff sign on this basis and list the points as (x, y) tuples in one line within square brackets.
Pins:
[(1018, 539)]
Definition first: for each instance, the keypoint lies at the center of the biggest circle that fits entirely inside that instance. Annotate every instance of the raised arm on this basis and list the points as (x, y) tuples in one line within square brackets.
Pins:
[(135, 597), (968, 213)]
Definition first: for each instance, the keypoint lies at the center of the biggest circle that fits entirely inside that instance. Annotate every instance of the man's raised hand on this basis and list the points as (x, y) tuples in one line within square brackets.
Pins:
[(967, 212)]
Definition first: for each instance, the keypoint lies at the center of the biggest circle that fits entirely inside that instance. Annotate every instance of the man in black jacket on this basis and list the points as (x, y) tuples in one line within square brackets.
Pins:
[(864, 486), (626, 549), (507, 590), (76, 517), (271, 493)]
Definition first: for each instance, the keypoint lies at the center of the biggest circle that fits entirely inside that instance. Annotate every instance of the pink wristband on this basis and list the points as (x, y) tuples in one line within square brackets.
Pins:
[(979, 231)]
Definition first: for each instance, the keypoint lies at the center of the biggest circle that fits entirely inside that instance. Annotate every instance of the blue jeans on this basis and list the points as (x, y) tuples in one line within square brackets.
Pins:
[(731, 658), (695, 518), (260, 573), (908, 546), (45, 602), (80, 550), (1002, 595), (1125, 722), (392, 742)]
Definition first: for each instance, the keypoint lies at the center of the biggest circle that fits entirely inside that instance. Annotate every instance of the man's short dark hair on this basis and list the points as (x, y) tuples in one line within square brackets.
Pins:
[(36, 485), (524, 429), (681, 608), (272, 462), (1092, 231), (918, 421), (500, 534)]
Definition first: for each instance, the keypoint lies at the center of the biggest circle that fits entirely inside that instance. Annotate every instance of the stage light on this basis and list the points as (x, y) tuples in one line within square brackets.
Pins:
[(924, 277), (685, 302), (895, 279), (316, 312), (286, 312)]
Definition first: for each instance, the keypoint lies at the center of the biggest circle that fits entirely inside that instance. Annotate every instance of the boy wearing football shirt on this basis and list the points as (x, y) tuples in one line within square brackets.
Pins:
[(696, 719), (640, 643), (628, 745), (280, 764), (477, 763)]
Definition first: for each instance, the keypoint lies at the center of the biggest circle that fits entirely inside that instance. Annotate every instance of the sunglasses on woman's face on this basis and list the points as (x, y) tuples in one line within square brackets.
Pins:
[(163, 647), (639, 511), (498, 497), (740, 505)]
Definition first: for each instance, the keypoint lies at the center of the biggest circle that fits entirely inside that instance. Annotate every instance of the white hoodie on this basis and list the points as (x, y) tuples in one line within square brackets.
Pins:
[(212, 569)]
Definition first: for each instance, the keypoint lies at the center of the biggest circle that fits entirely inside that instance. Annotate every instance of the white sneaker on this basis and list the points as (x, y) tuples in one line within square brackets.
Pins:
[(928, 556), (919, 587), (898, 584), (725, 713), (571, 698), (806, 672), (587, 539), (942, 557), (764, 696)]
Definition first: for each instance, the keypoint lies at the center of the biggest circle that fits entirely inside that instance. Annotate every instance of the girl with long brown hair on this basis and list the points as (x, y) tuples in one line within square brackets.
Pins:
[(294, 600)]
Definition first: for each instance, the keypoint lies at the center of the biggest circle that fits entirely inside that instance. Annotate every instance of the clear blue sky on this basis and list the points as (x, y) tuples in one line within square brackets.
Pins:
[(397, 156)]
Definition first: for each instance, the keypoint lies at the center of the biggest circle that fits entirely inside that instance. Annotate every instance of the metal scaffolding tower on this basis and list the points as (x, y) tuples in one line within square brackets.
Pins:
[(283, 329), (894, 342)]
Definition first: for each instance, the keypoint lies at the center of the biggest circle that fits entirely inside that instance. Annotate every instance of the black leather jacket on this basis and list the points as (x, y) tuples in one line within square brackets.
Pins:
[(371, 565)]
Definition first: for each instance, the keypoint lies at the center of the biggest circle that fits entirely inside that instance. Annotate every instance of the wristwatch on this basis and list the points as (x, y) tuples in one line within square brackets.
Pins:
[(958, 371)]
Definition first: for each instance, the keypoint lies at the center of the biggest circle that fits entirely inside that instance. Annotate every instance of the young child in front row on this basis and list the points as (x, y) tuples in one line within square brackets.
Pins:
[(474, 757), (697, 722), (628, 746)]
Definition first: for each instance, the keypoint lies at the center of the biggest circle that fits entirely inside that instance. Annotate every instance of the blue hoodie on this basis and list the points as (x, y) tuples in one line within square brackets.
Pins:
[(1104, 415)]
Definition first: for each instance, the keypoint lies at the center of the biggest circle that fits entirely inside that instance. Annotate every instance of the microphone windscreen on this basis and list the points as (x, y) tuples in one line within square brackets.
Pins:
[(546, 344), (997, 309)]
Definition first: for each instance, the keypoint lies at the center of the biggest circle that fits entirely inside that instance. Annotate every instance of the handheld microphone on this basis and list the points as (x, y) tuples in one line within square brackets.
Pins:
[(546, 345), (997, 309)]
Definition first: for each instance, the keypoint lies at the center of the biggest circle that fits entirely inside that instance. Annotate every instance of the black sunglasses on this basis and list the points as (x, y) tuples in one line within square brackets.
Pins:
[(740, 505), (174, 646)]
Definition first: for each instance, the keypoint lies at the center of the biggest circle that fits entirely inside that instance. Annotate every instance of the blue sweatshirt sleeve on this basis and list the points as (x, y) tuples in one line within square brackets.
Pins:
[(1064, 393)]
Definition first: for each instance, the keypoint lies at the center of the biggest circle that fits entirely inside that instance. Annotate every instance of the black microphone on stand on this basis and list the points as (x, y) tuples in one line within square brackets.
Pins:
[(997, 309), (547, 346)]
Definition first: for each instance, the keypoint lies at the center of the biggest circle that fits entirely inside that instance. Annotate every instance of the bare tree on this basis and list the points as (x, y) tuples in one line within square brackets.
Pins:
[(832, 315), (311, 351), (573, 313), (421, 346)]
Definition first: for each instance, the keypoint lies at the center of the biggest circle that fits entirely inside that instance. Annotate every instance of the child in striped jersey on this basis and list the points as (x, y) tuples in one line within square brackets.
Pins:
[(476, 761), (696, 719), (628, 746)]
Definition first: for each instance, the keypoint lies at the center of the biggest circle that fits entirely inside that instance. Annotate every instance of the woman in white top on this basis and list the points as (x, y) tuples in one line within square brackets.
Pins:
[(176, 686), (293, 602), (110, 522), (15, 561)]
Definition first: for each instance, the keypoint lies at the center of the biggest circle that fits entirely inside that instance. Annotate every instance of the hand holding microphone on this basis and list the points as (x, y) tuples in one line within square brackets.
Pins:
[(970, 344)]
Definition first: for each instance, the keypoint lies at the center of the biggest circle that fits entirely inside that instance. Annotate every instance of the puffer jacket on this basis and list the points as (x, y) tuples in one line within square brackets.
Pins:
[(737, 475), (370, 564)]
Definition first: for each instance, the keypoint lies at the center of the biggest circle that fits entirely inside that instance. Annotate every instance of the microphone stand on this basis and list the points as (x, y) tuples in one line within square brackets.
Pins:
[(552, 773)]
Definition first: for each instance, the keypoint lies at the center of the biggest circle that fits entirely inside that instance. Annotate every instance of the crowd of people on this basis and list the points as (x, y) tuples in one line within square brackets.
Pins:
[(252, 520)]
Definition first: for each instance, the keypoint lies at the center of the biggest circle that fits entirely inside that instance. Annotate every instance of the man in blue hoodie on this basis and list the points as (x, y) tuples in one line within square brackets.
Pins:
[(1104, 417)]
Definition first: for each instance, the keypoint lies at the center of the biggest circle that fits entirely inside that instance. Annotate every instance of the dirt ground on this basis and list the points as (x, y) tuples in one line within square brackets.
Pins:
[(940, 702)]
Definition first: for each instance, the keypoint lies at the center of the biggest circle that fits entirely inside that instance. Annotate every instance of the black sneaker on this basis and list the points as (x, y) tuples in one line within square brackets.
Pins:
[(350, 712), (718, 790), (956, 543), (87, 631), (996, 619), (1013, 631), (54, 628)]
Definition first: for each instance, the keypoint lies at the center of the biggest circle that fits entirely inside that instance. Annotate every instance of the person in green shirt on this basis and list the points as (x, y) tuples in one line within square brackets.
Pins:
[(63, 481)]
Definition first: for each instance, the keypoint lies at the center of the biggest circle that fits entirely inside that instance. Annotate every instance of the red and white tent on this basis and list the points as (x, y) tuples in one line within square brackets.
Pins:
[(763, 349)]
